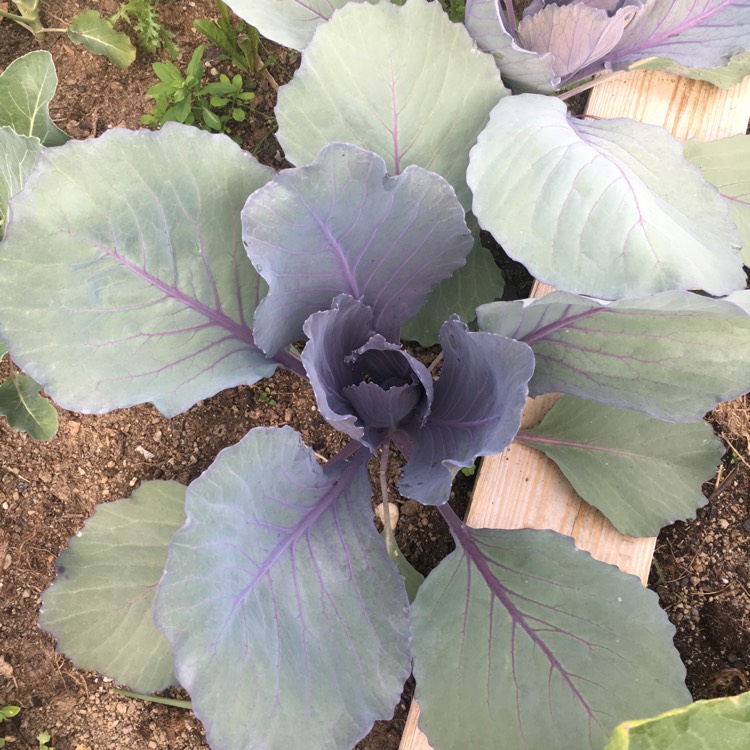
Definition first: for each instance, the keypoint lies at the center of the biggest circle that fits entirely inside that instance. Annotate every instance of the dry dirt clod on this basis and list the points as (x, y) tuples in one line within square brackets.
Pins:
[(393, 513)]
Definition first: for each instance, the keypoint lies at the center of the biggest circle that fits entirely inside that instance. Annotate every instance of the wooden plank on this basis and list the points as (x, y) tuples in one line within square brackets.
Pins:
[(686, 108), (522, 488)]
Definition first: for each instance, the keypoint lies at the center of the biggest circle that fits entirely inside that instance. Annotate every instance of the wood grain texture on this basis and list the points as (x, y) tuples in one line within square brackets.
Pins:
[(686, 108), (521, 487)]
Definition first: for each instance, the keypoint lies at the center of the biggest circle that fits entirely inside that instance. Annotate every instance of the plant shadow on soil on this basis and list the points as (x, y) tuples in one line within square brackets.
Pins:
[(48, 490)]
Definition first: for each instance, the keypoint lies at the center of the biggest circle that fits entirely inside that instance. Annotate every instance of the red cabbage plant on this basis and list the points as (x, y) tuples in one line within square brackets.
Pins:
[(198, 271), (164, 267)]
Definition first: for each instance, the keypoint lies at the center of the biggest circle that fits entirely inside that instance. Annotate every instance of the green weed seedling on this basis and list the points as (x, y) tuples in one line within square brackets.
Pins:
[(7, 712), (142, 16), (88, 28), (43, 738), (265, 397), (238, 41), (230, 96), (26, 410), (215, 106), (469, 471), (456, 9)]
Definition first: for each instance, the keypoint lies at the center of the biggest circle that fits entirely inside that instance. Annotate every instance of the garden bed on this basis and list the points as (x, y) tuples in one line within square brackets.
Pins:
[(47, 490)]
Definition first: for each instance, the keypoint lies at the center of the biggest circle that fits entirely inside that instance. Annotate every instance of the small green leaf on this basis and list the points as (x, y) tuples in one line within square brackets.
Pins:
[(247, 96), (210, 119), (99, 608), (213, 34), (179, 111), (219, 88), (721, 723), (98, 36), (8, 712), (195, 66), (238, 115), (161, 91), (25, 409), (167, 72)]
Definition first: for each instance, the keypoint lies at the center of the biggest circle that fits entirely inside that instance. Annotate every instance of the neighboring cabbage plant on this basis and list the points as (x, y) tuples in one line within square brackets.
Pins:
[(556, 43), (721, 723)]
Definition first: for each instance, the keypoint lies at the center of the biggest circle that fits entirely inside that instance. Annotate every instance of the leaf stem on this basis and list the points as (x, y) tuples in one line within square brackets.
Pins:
[(595, 81), (154, 699), (455, 523), (346, 452), (390, 542), (510, 17), (23, 21), (292, 361)]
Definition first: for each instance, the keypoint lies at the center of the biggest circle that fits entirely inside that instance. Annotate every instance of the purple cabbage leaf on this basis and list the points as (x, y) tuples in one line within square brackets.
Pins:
[(523, 641), (18, 156), (342, 226), (291, 23), (580, 39), (357, 374), (694, 33), (609, 209), (726, 77), (725, 163), (477, 406), (576, 35), (523, 70), (115, 295), (99, 608), (280, 600), (479, 281), (656, 355), (399, 80), (373, 391), (641, 473)]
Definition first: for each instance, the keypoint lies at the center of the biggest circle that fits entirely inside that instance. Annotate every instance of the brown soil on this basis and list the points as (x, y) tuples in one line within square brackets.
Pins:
[(47, 490), (701, 570)]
